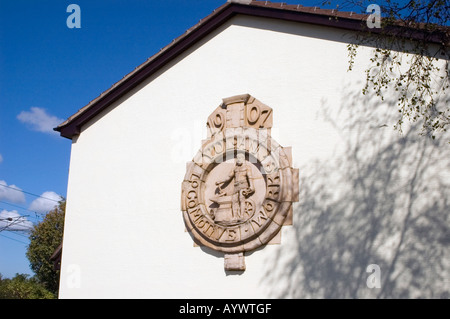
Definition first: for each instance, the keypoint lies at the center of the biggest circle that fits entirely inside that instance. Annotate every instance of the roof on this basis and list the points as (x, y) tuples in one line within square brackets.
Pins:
[(267, 9)]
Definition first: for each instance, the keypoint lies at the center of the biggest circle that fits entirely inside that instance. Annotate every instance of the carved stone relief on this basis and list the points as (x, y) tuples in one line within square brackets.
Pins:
[(239, 188)]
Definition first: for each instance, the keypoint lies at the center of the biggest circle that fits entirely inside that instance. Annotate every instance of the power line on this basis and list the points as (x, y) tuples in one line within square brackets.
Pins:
[(20, 190), (17, 206), (36, 218), (17, 233), (15, 221), (21, 207), (18, 219), (32, 220), (14, 239)]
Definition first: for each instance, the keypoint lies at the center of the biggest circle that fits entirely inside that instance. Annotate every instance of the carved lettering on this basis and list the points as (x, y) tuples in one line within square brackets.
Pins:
[(273, 180), (259, 217), (273, 187), (192, 203), (208, 230), (269, 206), (265, 114), (273, 192), (194, 184), (195, 213), (229, 207), (270, 166), (192, 195), (253, 146), (231, 235), (218, 232), (259, 116), (239, 142), (216, 121), (219, 147), (200, 222), (209, 152), (192, 179), (253, 114)]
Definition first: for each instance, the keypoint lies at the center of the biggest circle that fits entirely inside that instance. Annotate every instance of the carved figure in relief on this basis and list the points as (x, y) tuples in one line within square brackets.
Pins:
[(234, 205), (243, 188)]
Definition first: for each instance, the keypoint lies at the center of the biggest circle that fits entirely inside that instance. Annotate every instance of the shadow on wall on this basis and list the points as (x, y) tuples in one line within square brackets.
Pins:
[(384, 200)]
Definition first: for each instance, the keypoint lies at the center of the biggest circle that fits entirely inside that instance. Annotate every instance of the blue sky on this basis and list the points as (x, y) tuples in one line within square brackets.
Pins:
[(49, 71)]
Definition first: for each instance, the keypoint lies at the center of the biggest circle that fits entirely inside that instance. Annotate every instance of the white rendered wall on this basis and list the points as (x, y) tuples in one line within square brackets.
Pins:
[(124, 235)]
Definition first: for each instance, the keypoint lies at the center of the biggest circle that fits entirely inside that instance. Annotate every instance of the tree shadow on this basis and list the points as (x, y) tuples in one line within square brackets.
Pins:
[(384, 199)]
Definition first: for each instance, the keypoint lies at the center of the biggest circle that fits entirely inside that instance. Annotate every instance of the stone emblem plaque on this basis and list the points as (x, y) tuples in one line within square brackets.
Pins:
[(239, 188)]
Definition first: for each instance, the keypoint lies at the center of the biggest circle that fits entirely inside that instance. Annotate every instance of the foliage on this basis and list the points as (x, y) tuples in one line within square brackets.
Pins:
[(411, 59), (44, 239), (22, 287)]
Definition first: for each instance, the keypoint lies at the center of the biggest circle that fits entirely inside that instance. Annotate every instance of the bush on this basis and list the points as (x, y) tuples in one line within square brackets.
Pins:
[(22, 287)]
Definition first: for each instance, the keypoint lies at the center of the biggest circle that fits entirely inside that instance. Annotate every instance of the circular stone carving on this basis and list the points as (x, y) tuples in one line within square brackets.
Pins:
[(219, 199), (236, 193)]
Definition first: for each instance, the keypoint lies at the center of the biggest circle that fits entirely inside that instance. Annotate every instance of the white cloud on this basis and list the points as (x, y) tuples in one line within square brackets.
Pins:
[(12, 221), (11, 193), (1, 158), (39, 120), (45, 203)]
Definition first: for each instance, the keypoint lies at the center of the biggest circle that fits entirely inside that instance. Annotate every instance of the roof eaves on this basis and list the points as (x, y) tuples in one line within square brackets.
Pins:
[(267, 9), (69, 128)]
